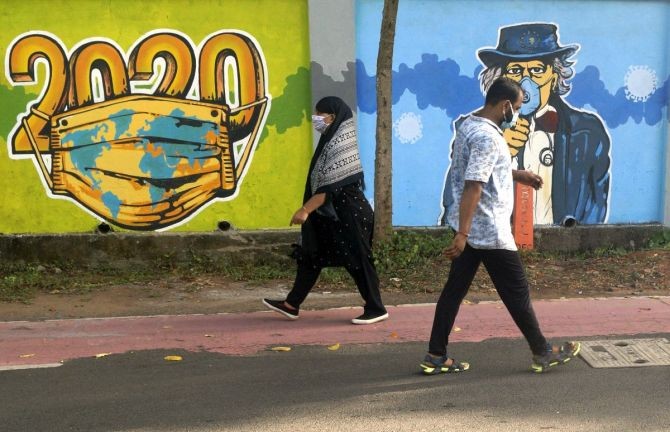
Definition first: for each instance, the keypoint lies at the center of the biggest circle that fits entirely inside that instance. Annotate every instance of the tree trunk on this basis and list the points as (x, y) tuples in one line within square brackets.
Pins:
[(383, 150)]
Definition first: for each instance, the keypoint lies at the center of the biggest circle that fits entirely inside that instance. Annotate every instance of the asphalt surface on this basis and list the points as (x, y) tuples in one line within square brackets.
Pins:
[(358, 387), (368, 380)]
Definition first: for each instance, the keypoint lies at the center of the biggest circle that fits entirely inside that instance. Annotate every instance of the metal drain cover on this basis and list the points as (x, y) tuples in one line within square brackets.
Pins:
[(618, 353)]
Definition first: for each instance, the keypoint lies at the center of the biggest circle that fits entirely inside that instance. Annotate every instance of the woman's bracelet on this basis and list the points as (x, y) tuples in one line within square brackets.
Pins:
[(463, 234), (306, 211)]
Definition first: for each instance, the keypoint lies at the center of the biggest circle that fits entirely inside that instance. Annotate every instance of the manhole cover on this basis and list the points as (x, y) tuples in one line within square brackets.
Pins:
[(617, 353)]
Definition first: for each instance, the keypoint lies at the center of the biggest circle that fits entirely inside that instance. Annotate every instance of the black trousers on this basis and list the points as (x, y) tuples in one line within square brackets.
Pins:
[(365, 277), (508, 276)]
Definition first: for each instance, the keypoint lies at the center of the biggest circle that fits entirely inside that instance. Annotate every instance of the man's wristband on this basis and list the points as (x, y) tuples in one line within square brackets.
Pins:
[(463, 234)]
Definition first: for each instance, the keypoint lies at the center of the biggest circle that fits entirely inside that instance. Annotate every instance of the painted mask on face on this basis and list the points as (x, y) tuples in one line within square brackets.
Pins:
[(145, 162), (140, 161), (531, 96)]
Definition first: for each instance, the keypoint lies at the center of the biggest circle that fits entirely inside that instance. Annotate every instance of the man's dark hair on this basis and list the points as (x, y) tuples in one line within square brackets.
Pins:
[(501, 89)]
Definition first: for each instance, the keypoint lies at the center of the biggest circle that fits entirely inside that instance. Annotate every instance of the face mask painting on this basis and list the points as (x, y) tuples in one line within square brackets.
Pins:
[(531, 96), (508, 124), (141, 161), (319, 123), (144, 162)]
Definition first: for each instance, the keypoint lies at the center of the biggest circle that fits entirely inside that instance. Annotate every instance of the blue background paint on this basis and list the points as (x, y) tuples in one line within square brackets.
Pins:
[(436, 77)]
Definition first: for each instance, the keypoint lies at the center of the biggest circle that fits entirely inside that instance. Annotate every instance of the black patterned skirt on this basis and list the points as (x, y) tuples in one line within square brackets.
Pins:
[(341, 241)]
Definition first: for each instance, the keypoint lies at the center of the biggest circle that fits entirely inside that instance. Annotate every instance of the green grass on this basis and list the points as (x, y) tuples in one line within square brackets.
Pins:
[(661, 240), (14, 288), (20, 283), (409, 261), (406, 251)]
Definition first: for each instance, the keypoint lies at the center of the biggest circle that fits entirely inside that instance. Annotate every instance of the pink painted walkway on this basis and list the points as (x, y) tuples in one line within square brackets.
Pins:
[(25, 343)]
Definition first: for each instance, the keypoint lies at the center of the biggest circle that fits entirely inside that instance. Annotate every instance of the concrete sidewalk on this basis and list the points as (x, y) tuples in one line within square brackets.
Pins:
[(48, 343)]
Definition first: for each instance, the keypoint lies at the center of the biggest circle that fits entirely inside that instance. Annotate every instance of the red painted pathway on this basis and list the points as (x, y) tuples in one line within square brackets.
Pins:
[(24, 343)]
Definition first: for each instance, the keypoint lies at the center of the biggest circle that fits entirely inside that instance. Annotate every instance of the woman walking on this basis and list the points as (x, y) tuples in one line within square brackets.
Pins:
[(336, 218)]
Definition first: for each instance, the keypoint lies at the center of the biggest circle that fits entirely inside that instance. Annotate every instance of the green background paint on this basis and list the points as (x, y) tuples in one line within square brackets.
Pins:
[(272, 187)]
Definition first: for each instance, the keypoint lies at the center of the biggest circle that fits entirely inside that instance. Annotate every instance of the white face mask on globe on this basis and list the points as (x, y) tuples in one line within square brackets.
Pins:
[(319, 123)]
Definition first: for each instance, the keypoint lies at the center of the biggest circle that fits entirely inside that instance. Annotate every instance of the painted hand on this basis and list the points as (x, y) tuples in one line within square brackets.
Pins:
[(517, 136)]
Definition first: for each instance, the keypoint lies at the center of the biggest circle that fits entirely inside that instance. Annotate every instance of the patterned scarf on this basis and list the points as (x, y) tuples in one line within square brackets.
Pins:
[(339, 162)]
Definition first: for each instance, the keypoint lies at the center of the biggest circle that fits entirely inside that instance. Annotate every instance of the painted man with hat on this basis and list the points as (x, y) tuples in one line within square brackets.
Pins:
[(567, 147)]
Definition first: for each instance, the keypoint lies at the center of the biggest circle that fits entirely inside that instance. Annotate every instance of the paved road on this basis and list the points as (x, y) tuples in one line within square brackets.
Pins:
[(228, 380), (49, 342)]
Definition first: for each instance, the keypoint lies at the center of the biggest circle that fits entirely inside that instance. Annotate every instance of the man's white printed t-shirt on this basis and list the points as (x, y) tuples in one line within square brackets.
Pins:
[(480, 154)]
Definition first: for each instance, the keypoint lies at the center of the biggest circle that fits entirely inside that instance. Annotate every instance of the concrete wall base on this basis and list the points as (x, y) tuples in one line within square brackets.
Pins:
[(584, 238), (124, 249)]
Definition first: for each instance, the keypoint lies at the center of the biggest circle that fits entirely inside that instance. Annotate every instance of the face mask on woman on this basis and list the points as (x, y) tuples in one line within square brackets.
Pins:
[(319, 123)]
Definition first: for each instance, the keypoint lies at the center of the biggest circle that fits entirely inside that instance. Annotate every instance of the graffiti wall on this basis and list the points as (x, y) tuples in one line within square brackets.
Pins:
[(594, 122), (153, 116), (186, 116)]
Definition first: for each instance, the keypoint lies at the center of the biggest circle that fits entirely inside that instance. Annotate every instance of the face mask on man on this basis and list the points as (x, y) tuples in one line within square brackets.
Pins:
[(319, 123), (508, 124)]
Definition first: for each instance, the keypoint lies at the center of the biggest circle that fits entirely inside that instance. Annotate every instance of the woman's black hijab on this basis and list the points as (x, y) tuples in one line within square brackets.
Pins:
[(336, 106), (309, 238), (342, 112)]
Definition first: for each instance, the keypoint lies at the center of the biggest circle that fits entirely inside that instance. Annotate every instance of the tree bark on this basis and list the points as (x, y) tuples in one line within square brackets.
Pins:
[(383, 151)]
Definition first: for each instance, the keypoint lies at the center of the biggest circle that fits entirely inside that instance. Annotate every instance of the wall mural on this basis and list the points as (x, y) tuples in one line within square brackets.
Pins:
[(141, 158), (595, 114), (567, 147)]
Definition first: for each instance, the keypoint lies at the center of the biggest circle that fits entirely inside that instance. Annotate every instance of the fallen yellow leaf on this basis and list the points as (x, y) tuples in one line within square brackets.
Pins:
[(394, 335), (173, 358), (26, 355), (102, 355), (457, 329), (467, 302), (280, 348), (334, 347), (207, 335)]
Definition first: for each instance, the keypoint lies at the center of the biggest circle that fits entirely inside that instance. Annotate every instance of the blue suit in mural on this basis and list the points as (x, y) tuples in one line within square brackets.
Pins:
[(581, 162), (567, 147)]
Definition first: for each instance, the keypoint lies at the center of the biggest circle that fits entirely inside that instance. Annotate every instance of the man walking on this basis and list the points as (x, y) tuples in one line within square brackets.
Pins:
[(479, 186)]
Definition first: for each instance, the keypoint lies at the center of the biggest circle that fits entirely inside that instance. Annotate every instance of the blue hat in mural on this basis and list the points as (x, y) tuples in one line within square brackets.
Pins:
[(525, 41)]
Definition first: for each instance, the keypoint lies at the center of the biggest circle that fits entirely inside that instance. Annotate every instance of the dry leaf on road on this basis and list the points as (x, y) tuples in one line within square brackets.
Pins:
[(173, 358)]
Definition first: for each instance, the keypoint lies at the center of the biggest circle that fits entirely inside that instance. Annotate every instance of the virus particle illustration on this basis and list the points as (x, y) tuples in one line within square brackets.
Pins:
[(408, 128), (640, 82)]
